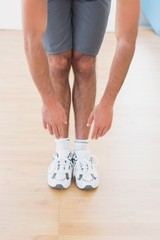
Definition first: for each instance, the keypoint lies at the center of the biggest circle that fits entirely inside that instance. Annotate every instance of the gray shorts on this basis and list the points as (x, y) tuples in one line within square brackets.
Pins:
[(76, 24)]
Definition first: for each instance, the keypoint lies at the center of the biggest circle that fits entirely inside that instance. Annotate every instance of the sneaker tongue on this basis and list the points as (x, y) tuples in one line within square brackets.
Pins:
[(83, 153)]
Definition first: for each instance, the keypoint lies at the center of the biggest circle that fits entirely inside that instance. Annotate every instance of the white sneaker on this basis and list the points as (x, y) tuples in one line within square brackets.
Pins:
[(60, 171), (84, 170)]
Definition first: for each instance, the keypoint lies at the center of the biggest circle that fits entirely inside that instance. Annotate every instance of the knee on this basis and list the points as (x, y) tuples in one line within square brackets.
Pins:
[(60, 65), (83, 65)]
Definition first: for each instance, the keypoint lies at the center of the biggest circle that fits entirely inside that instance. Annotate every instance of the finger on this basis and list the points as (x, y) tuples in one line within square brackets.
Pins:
[(50, 129), (44, 124), (99, 132), (65, 119), (105, 130), (94, 133), (60, 130), (90, 120), (56, 132)]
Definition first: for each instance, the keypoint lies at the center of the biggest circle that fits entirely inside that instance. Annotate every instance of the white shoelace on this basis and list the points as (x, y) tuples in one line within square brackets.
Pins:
[(62, 163), (85, 165)]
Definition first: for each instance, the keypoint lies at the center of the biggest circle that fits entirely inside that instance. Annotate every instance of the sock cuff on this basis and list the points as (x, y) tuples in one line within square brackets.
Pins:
[(81, 141), (61, 139), (81, 145)]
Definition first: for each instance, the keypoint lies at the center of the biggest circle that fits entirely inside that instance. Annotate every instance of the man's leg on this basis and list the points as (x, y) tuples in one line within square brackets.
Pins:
[(60, 65), (84, 91), (58, 44), (60, 169), (89, 26)]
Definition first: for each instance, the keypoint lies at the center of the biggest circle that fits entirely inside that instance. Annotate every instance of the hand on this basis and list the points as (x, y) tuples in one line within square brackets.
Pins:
[(102, 116), (54, 117)]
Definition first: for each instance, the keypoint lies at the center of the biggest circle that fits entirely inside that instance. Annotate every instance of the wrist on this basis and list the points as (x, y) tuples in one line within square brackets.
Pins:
[(48, 99), (106, 101)]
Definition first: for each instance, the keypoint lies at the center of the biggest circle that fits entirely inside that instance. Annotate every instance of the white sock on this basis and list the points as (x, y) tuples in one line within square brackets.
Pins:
[(81, 145), (62, 146)]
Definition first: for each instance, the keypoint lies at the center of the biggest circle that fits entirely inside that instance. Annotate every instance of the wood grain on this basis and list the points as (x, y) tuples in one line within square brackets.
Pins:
[(126, 204)]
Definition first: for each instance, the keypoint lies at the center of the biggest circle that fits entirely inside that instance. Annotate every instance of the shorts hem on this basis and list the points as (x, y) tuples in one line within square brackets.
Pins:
[(71, 48), (58, 52)]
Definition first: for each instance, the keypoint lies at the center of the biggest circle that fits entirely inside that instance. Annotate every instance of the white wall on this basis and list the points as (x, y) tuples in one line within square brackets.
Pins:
[(111, 21), (10, 15)]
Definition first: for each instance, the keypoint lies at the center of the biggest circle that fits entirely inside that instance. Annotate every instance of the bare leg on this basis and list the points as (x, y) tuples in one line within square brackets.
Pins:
[(84, 91), (60, 65)]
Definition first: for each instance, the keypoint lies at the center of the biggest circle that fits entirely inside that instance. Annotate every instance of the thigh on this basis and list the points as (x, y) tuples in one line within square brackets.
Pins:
[(58, 35), (90, 19)]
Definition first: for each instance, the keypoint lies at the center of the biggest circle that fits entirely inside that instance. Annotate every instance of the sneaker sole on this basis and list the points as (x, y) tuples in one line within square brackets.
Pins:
[(58, 186), (88, 187)]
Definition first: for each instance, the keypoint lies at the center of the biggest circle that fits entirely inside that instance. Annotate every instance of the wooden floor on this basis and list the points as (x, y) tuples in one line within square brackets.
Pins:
[(126, 205)]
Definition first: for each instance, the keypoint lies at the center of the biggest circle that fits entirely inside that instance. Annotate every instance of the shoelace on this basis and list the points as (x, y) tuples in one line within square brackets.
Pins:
[(62, 163), (85, 165)]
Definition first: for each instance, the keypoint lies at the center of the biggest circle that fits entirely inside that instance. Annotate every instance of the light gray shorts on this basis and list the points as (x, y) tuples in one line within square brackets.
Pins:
[(76, 24)]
